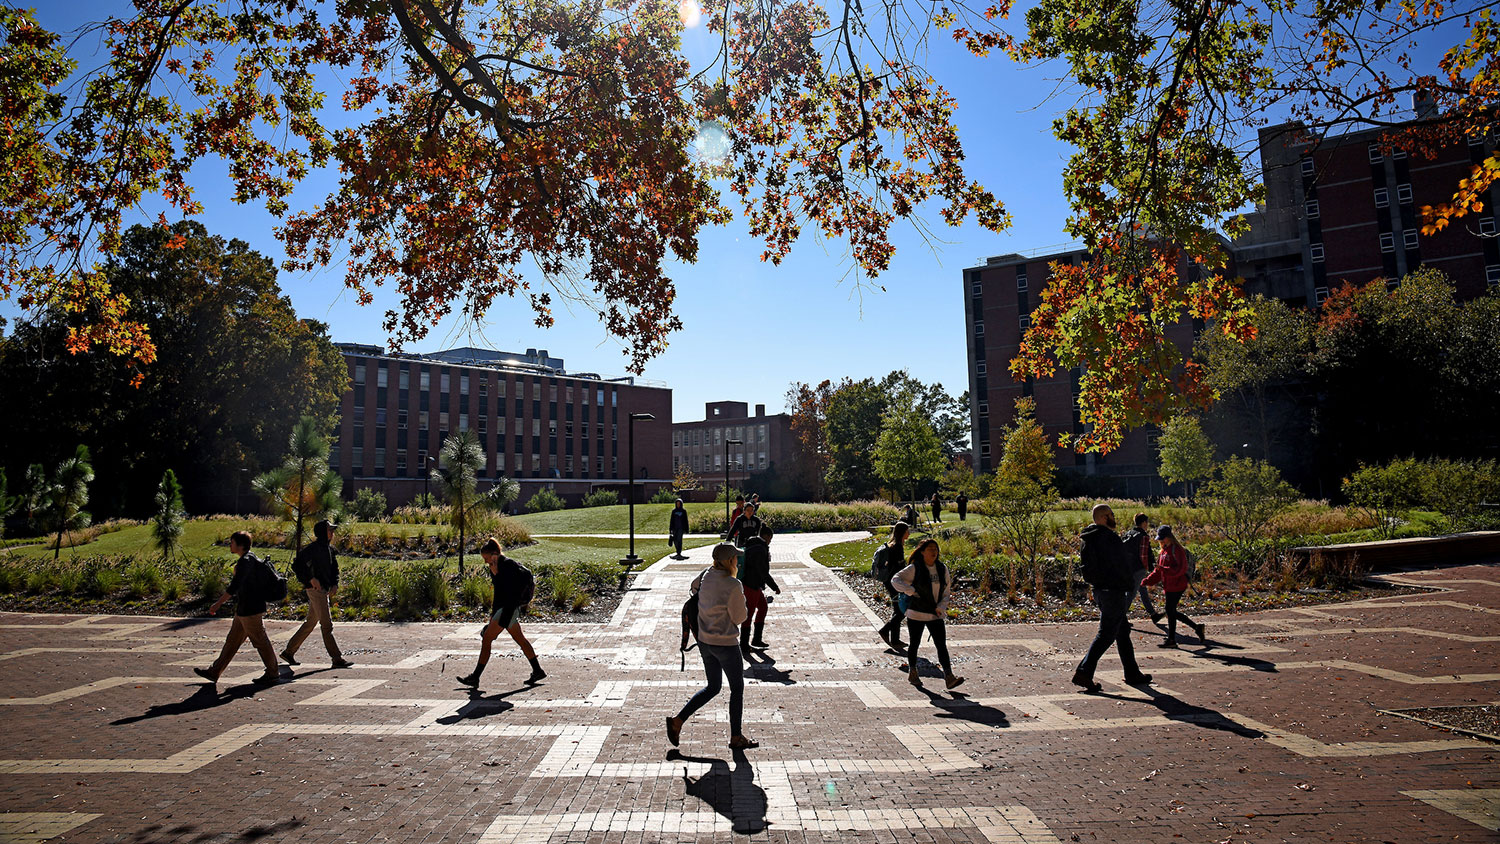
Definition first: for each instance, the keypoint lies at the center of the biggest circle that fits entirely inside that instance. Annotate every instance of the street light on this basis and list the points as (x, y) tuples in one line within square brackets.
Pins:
[(427, 480), (727, 444), (630, 462)]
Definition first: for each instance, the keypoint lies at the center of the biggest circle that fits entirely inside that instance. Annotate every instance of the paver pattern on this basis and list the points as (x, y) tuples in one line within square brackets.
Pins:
[(1273, 734)]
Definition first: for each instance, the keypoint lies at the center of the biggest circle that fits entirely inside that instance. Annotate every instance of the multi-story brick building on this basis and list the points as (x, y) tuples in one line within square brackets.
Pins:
[(764, 442), (1339, 210), (536, 422)]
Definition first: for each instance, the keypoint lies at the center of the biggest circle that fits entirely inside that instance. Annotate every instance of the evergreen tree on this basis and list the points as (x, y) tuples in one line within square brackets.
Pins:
[(69, 495), (459, 462), (302, 487), (167, 521)]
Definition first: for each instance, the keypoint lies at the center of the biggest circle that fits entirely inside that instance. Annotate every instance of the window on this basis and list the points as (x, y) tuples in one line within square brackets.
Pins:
[(763, 433), (424, 420), (1398, 154), (1387, 242), (333, 459), (379, 458), (599, 460), (976, 288), (401, 420), (443, 420), (359, 460), (552, 462), (568, 464), (536, 427), (1492, 274), (424, 381), (984, 408), (359, 374), (1486, 225), (380, 416), (978, 329), (536, 463), (762, 461), (984, 449), (569, 394), (718, 461), (1317, 253), (981, 368), (1307, 166), (484, 387), (400, 461), (600, 402), (552, 396), (404, 380), (614, 431), (1312, 209), (500, 462), (1403, 193), (552, 427), (614, 467), (500, 426), (1409, 238), (1382, 197), (382, 377), (463, 421), (1025, 323), (500, 388), (536, 391), (568, 430), (463, 384), (445, 381), (614, 398), (359, 416), (482, 420), (1375, 155), (1021, 282), (1320, 295)]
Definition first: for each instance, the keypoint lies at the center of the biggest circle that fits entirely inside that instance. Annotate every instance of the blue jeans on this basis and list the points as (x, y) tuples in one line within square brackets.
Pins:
[(719, 659), (1114, 629), (1145, 593)]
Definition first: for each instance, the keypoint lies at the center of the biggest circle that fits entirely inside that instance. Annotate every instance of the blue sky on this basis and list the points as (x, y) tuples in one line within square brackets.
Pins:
[(751, 328)]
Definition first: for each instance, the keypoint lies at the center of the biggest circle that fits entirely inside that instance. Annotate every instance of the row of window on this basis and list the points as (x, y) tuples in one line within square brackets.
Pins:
[(700, 463), (977, 288), (716, 436), (424, 420), (1410, 238), (1024, 323), (445, 384), (357, 458)]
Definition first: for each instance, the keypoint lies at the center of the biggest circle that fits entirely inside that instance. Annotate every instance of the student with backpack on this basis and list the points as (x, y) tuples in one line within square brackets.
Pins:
[(1172, 573), (1107, 569), (253, 583), (887, 561), (316, 567), (513, 587), (927, 584), (756, 576), (716, 620)]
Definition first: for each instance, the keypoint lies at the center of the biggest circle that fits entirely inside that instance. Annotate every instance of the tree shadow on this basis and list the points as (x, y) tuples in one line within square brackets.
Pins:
[(964, 708), (730, 792), (481, 705), (1176, 709), (204, 697)]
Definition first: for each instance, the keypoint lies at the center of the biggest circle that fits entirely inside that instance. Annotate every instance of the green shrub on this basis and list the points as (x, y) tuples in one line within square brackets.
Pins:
[(1244, 499), (436, 591), (1386, 494), (143, 577), (601, 498), (102, 579), (360, 588), (665, 495), (729, 494), (213, 576), (12, 579), (367, 506), (544, 500), (854, 515), (477, 590), (173, 589), (1460, 491), (39, 581), (582, 600), (508, 532), (68, 580), (562, 584)]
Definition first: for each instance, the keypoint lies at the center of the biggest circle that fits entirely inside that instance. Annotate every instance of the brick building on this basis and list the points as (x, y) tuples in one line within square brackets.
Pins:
[(765, 442), (1340, 210), (536, 422)]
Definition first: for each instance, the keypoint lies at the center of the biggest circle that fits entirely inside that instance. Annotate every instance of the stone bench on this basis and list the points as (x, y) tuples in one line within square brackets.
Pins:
[(1415, 551)]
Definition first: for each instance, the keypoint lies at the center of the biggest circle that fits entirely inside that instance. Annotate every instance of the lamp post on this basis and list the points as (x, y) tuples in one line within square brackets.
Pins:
[(727, 444), (237, 486), (630, 458), (427, 480)]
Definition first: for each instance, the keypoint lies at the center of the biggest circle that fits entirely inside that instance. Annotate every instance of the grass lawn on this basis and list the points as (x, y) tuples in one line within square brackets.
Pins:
[(649, 519), (854, 555)]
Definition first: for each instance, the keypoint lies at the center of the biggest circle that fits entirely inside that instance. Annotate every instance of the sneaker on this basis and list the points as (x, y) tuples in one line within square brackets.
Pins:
[(265, 680), (1199, 629), (953, 682), (674, 730), (470, 680), (1086, 683), (537, 675), (340, 663), (742, 743), (207, 674), (1170, 643), (1138, 680), (286, 657)]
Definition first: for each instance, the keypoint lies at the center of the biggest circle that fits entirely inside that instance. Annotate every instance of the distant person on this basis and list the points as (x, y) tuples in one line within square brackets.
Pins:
[(248, 592), (316, 567), (746, 525), (1172, 573), (739, 508), (1137, 543), (910, 516), (677, 527), (927, 585), (756, 576), (963, 506), (937, 508), (1106, 569), (513, 587), (890, 558), (721, 612), (755, 499)]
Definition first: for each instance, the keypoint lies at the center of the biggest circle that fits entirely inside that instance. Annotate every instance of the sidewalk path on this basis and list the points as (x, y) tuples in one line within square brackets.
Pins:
[(1275, 735)]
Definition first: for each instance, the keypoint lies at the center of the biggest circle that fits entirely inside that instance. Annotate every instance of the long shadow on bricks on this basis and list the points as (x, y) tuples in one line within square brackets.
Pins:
[(730, 792), (1176, 709), (482, 706), (203, 697)]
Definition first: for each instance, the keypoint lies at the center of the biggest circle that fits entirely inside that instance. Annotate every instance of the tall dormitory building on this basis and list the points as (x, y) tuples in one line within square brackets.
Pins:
[(535, 421), (1341, 210)]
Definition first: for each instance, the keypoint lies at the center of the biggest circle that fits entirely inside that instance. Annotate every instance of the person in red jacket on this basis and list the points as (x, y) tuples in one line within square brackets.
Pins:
[(1172, 573)]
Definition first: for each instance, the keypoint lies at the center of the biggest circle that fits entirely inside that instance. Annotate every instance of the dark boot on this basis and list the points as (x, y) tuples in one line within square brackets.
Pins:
[(760, 640), (745, 641), (472, 678), (537, 674)]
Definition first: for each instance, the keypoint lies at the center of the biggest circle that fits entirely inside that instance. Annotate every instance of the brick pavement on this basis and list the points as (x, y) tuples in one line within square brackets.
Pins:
[(1272, 735)]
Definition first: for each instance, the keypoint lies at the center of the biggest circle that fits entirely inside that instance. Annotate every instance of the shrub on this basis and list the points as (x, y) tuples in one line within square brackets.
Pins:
[(477, 590), (144, 578), (212, 578), (508, 532), (665, 495), (422, 515), (1385, 494), (728, 494), (101, 578), (68, 580), (173, 589), (545, 500), (582, 600), (360, 588), (1245, 497), (39, 581), (368, 505), (601, 498), (854, 515), (1460, 490), (12, 578), (562, 583)]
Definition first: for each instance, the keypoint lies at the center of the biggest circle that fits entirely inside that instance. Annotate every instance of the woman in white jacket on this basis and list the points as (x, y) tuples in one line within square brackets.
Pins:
[(721, 611), (927, 584)]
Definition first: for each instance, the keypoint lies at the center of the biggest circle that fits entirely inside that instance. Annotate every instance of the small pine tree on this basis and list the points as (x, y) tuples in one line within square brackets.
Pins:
[(69, 494), (167, 521)]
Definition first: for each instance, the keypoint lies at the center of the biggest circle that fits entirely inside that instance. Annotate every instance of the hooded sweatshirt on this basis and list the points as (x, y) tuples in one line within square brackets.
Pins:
[(721, 607), (1103, 550)]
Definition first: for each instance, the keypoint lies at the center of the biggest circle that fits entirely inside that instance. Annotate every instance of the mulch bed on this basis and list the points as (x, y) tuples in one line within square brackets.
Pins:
[(1479, 721), (968, 606)]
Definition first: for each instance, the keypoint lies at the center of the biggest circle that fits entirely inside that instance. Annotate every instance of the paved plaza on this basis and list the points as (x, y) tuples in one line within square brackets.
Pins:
[(1274, 734)]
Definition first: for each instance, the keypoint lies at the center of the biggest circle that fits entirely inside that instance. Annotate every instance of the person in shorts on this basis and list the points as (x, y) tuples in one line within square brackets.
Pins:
[(513, 586)]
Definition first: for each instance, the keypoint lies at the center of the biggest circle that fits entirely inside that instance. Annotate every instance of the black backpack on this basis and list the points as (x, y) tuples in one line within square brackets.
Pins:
[(689, 626), (272, 582)]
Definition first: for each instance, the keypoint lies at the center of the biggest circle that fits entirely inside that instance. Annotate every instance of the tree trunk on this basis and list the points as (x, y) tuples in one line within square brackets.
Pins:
[(462, 519)]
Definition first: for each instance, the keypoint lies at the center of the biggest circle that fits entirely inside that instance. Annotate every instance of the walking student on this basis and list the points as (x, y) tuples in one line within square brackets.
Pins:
[(745, 526), (755, 577), (316, 567), (963, 506), (888, 560), (513, 587), (721, 612), (937, 508), (1106, 568), (1172, 573), (247, 590), (927, 585), (1137, 542), (677, 527)]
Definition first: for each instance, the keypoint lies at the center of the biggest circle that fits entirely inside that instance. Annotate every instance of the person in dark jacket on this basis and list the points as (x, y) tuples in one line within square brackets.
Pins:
[(1172, 572), (963, 506), (937, 508), (316, 567), (1137, 543), (513, 586), (677, 527), (888, 561), (1106, 568), (756, 576), (249, 607), (910, 515), (747, 525)]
